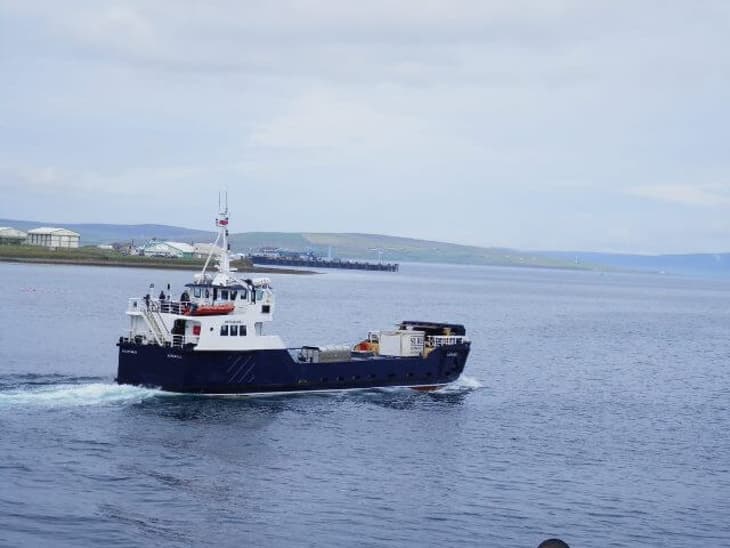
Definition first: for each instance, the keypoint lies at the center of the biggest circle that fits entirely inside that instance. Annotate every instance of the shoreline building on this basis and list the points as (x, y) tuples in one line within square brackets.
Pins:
[(12, 236), (53, 237), (178, 250), (202, 250)]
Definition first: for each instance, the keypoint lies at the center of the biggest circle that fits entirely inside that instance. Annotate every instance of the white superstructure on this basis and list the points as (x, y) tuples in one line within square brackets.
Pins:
[(217, 311)]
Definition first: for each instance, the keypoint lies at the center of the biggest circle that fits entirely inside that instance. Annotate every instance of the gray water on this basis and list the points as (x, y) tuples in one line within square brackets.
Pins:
[(593, 407)]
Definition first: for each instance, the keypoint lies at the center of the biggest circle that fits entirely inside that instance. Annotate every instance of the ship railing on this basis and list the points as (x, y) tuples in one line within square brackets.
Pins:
[(174, 307), (137, 338), (180, 340), (140, 304), (149, 309), (444, 340)]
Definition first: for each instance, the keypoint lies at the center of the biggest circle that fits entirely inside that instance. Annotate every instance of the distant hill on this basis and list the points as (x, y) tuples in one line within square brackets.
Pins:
[(344, 246), (716, 264), (396, 249), (92, 234)]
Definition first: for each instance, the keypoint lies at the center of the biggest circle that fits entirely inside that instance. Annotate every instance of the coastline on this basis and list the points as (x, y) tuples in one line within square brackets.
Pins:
[(143, 264)]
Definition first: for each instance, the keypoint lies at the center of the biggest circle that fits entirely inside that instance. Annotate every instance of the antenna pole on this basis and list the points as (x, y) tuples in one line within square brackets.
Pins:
[(221, 221), (210, 254)]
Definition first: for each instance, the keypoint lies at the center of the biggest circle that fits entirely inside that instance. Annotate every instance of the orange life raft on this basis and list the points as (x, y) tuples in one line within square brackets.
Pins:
[(210, 310)]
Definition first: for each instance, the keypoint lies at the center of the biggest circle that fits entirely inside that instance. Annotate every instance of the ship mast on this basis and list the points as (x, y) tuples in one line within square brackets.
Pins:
[(221, 221)]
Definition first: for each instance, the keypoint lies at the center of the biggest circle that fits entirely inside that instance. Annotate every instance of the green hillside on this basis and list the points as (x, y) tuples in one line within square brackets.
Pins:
[(247, 241), (394, 249), (343, 245), (95, 256)]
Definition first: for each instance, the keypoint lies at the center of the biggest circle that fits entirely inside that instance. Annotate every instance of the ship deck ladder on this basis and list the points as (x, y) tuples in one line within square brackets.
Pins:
[(157, 326)]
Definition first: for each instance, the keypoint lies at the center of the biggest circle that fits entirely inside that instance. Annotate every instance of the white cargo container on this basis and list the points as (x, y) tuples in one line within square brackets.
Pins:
[(401, 343)]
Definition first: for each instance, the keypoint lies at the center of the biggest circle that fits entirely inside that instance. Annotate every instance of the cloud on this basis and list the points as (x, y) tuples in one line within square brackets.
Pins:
[(479, 121), (321, 118), (702, 195), (148, 181), (345, 41)]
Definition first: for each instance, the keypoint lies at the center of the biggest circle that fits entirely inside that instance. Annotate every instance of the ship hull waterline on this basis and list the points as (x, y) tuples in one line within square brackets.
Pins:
[(257, 372)]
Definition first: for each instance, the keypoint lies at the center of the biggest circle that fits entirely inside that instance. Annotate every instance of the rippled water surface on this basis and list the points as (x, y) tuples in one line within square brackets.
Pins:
[(593, 408)]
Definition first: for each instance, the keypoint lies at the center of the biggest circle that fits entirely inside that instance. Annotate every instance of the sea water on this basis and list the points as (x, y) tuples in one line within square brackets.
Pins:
[(593, 407)]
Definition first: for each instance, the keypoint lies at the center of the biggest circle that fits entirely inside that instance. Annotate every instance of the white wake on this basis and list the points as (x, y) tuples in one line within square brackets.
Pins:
[(462, 384), (74, 395)]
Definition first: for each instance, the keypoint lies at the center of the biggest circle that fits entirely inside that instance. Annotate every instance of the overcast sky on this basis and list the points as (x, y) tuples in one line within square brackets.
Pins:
[(530, 124)]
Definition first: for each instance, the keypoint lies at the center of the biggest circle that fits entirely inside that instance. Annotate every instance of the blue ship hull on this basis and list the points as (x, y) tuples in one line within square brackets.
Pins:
[(185, 370)]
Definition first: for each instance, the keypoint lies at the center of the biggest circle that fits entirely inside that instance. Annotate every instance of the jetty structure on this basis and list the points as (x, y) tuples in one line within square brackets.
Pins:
[(309, 260), (213, 340)]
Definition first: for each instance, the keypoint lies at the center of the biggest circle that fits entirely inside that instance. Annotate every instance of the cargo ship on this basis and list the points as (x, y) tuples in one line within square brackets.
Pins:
[(213, 340)]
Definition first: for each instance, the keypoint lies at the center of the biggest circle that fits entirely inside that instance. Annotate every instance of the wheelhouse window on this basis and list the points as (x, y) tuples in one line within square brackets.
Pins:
[(234, 331), (197, 292), (242, 331), (224, 294), (233, 295), (244, 294), (224, 330)]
